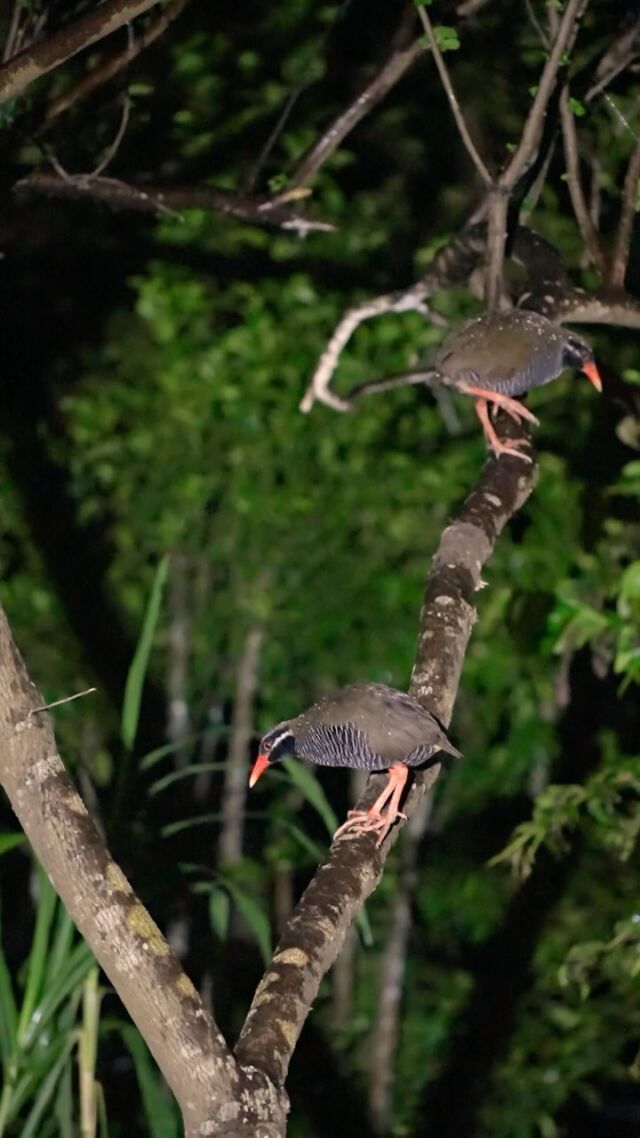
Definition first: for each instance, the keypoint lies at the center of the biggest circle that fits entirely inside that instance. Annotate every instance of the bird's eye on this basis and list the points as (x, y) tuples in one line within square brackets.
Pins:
[(266, 746)]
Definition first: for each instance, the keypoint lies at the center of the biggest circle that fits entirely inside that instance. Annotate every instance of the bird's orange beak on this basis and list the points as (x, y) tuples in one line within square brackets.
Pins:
[(593, 374), (258, 768)]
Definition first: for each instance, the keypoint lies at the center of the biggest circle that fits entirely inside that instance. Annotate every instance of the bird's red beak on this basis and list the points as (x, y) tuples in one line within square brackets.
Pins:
[(593, 374), (258, 768)]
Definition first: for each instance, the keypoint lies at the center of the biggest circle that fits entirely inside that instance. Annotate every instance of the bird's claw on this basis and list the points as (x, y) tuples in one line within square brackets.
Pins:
[(511, 449), (369, 822)]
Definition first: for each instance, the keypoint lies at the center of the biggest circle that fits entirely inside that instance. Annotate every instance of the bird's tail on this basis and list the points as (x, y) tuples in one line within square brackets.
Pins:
[(447, 746)]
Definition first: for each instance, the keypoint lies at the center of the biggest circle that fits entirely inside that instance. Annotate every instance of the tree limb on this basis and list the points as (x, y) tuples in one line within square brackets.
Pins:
[(389, 74), (273, 210), (445, 79), (620, 257), (315, 934), (574, 183), (20, 71), (112, 66)]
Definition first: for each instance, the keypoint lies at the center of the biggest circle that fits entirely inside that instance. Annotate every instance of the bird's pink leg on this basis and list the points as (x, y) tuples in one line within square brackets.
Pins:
[(516, 410), (373, 820), (496, 444)]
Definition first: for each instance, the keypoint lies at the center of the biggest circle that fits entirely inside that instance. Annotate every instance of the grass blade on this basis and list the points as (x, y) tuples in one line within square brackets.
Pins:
[(140, 662)]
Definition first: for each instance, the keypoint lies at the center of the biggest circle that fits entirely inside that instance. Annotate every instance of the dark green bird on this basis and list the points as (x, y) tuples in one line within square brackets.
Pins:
[(500, 355)]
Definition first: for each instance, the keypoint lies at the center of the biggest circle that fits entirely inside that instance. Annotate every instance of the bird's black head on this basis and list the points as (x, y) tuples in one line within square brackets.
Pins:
[(577, 353), (277, 743)]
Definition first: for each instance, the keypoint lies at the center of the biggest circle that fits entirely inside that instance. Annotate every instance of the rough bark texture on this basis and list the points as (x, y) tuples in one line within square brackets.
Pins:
[(189, 1049), (19, 72), (316, 932)]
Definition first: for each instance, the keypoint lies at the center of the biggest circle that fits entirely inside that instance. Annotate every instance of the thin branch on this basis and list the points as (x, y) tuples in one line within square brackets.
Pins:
[(615, 59), (10, 42), (114, 146), (526, 150), (532, 130), (111, 67), (620, 257), (453, 100), (315, 934), (389, 74), (271, 211), (574, 183), (31, 64), (451, 265)]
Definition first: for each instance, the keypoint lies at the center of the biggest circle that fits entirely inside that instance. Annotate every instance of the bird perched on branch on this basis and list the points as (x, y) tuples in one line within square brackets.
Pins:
[(500, 355), (371, 727)]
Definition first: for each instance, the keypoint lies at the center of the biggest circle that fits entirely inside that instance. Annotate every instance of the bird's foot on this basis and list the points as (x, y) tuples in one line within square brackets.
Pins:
[(511, 448), (368, 822)]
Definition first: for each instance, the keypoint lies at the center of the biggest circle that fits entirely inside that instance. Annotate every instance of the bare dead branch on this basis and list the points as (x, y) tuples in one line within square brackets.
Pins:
[(615, 59), (471, 7), (31, 64), (574, 184), (315, 934), (389, 74), (111, 67), (270, 211), (456, 110), (451, 265), (628, 206)]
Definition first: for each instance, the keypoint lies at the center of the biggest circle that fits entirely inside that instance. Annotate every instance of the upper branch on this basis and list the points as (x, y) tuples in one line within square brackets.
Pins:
[(391, 71), (19, 72), (315, 933), (101, 74)]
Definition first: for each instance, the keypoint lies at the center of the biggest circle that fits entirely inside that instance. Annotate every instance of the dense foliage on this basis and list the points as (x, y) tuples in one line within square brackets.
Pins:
[(153, 374)]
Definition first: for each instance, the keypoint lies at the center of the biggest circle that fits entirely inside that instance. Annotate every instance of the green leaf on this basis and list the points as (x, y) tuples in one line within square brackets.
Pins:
[(159, 1108), (10, 841), (139, 664), (306, 780), (219, 911), (577, 107), (447, 38), (255, 917)]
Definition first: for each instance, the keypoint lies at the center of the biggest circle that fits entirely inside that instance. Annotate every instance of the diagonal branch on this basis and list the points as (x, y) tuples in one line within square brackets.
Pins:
[(126, 942), (389, 74), (574, 182), (620, 257), (35, 61), (112, 66), (316, 931), (453, 100)]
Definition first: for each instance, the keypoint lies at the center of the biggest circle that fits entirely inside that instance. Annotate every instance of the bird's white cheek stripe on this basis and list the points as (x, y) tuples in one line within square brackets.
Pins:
[(285, 735)]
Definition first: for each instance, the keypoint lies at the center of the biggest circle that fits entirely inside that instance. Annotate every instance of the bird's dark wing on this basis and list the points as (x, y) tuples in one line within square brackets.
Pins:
[(393, 723)]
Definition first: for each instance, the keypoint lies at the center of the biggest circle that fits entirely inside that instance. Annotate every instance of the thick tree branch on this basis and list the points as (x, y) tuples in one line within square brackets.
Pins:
[(126, 942), (315, 934), (112, 66), (22, 69), (274, 211)]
